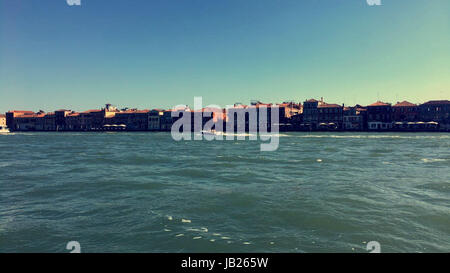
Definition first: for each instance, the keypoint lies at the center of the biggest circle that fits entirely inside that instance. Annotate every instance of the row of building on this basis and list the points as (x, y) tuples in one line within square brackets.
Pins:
[(309, 116), (378, 116)]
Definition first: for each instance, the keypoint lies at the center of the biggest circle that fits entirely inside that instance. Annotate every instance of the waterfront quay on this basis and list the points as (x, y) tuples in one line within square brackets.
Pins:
[(311, 115)]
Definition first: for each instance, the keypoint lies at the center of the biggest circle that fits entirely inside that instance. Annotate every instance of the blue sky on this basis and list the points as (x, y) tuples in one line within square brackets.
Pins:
[(149, 54)]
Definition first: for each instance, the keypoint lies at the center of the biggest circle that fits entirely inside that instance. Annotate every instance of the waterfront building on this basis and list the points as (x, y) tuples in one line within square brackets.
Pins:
[(2, 120), (167, 120), (60, 119), (95, 118), (379, 116), (109, 108), (134, 120), (11, 118), (75, 122), (354, 118), (170, 116), (264, 115), (430, 116), (321, 115), (297, 121), (30, 122), (330, 116), (83, 121), (289, 109), (213, 117), (311, 113), (238, 118), (405, 112), (49, 122), (436, 111), (198, 115), (249, 118), (154, 119)]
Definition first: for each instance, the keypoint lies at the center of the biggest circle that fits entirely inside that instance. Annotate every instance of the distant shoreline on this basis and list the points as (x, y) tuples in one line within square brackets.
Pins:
[(292, 131)]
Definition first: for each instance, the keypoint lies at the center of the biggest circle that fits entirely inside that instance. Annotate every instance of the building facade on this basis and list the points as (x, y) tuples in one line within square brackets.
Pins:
[(354, 118), (311, 113), (2, 120), (167, 120), (30, 122), (154, 119), (134, 120), (49, 122), (330, 116), (436, 111), (379, 116), (11, 117), (405, 112)]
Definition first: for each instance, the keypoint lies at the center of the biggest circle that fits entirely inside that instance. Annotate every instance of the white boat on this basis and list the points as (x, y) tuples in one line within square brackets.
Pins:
[(213, 133), (4, 130)]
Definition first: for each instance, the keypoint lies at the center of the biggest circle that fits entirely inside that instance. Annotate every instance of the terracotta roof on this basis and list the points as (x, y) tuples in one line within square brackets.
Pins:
[(261, 105), (432, 102), (404, 104), (133, 111), (379, 103), (312, 100), (287, 106), (331, 105), (212, 109), (180, 108), (27, 115), (239, 106), (21, 112)]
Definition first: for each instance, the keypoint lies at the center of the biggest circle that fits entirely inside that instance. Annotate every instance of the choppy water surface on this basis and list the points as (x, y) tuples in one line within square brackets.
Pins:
[(144, 192)]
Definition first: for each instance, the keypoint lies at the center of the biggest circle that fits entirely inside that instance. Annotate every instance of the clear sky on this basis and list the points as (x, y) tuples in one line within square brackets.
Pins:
[(160, 53)]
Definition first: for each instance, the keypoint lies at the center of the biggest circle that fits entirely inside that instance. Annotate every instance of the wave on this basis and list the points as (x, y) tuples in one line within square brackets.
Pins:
[(375, 136), (431, 160), (245, 134)]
